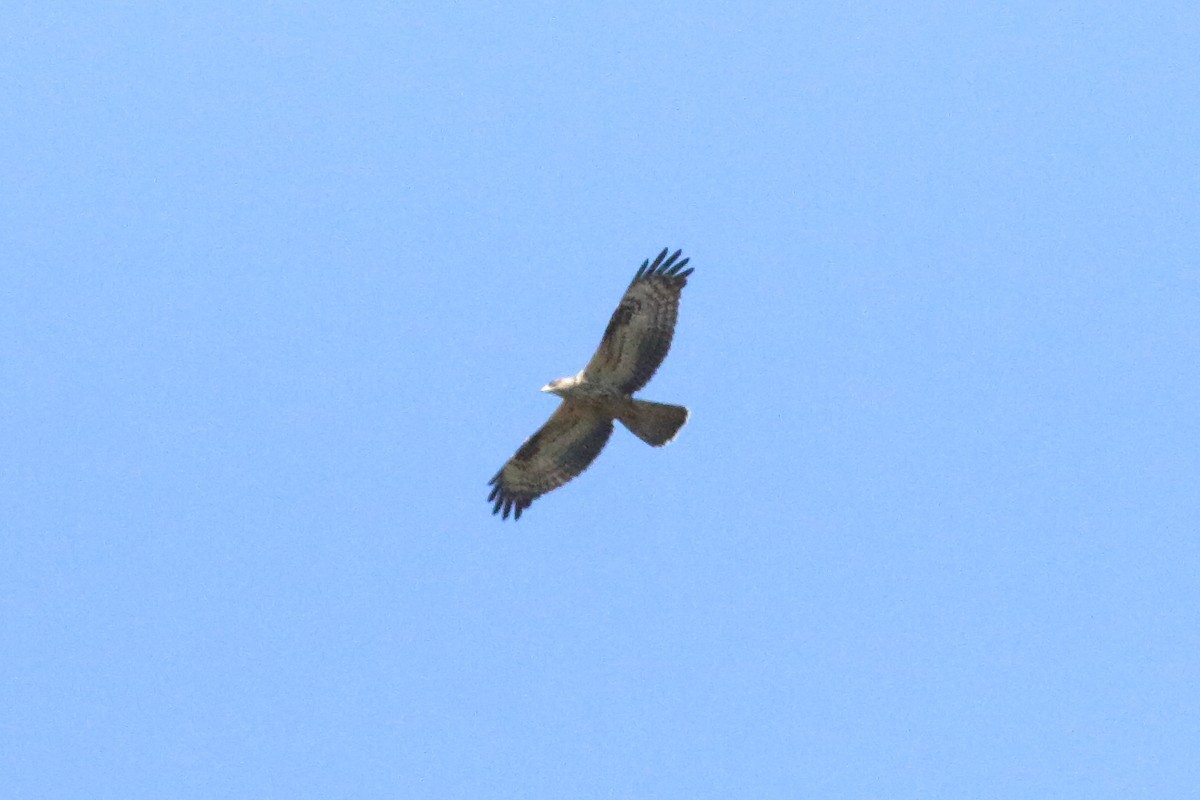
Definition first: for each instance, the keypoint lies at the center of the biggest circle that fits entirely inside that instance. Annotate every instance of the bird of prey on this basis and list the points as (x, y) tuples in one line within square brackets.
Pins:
[(635, 343)]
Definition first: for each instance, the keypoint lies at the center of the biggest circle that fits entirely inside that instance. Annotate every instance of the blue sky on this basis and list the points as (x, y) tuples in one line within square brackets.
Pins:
[(281, 283)]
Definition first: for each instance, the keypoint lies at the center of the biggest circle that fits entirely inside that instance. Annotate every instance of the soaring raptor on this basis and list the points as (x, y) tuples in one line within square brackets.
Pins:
[(635, 342)]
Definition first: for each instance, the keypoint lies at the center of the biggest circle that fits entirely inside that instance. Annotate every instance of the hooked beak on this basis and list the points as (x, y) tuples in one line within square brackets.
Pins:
[(548, 388)]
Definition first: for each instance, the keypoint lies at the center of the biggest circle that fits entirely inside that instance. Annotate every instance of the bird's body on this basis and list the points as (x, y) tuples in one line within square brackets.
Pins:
[(635, 343)]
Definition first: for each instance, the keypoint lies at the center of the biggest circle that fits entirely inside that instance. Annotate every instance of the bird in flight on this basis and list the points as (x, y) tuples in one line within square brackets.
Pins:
[(634, 345)]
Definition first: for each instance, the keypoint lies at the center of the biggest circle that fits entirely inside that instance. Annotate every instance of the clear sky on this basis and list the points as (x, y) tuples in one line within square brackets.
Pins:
[(281, 283)]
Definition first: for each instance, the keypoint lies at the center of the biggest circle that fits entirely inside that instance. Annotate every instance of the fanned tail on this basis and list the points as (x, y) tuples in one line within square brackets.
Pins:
[(655, 423)]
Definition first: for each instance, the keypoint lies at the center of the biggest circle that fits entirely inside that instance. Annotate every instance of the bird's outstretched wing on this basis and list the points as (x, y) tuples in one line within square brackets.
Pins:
[(561, 449), (639, 334)]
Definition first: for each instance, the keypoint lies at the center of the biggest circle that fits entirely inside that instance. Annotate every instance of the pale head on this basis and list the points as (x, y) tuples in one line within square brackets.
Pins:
[(562, 386)]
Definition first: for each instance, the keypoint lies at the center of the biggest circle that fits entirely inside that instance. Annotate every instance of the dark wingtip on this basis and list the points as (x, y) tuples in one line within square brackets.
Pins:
[(505, 503), (674, 270), (668, 265), (662, 265)]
